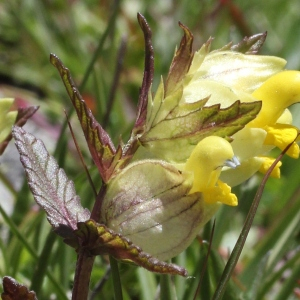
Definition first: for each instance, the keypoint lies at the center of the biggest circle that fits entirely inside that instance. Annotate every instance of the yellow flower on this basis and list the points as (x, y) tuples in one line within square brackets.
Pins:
[(227, 76), (197, 141), (281, 135), (206, 162), (7, 118), (278, 93)]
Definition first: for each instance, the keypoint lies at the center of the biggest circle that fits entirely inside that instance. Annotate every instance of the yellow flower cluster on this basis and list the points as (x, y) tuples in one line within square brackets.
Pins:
[(187, 162), (227, 76)]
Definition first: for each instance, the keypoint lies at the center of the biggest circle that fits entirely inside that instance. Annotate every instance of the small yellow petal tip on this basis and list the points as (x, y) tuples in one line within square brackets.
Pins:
[(282, 135), (220, 193), (268, 161)]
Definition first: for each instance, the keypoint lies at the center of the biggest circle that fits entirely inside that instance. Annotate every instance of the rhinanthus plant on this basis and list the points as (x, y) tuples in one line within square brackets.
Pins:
[(209, 126)]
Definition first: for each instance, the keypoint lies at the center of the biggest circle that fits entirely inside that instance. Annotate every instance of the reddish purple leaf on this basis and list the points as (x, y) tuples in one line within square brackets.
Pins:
[(148, 75), (51, 188), (99, 142), (181, 61), (250, 45)]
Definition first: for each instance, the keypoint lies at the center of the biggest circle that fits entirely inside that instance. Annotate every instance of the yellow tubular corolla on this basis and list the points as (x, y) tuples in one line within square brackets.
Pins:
[(206, 162), (277, 93)]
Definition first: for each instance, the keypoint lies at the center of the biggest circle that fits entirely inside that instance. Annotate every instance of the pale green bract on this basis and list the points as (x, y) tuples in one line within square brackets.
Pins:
[(148, 203)]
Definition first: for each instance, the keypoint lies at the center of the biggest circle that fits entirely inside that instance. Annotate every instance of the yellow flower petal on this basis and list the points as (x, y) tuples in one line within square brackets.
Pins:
[(220, 193), (268, 161), (207, 160), (293, 151), (281, 135), (277, 93)]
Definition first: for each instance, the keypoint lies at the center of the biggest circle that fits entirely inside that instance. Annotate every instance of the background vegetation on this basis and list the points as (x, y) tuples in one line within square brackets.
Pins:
[(74, 30)]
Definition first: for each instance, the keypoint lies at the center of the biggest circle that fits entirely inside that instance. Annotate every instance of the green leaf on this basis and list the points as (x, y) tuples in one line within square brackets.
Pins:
[(99, 240), (290, 283), (175, 137), (253, 288), (20, 238), (216, 267), (147, 283), (42, 263), (275, 276), (167, 288), (279, 238)]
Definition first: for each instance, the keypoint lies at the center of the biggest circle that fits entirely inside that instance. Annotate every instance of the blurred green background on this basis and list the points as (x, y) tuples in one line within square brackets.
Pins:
[(30, 30)]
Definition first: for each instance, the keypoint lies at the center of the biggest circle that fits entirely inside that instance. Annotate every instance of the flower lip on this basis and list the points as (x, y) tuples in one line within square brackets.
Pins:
[(232, 163)]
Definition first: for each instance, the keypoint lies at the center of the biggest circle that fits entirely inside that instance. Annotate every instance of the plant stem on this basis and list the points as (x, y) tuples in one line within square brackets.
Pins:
[(95, 215), (116, 278), (233, 259), (85, 261), (82, 275)]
